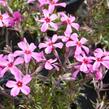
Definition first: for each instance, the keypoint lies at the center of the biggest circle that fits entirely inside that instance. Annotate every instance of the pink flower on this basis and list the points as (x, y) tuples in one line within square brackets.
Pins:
[(27, 51), (100, 59), (79, 45), (51, 44), (69, 21), (30, 1), (16, 19), (10, 64), (48, 21), (85, 62), (53, 4), (19, 85), (50, 64), (3, 2), (4, 20), (69, 39)]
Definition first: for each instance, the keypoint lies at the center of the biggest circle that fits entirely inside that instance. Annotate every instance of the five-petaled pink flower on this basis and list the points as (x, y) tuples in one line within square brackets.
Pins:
[(4, 20), (69, 21), (27, 51), (100, 59), (51, 44), (48, 21), (85, 62), (50, 64), (19, 85), (79, 45), (10, 64)]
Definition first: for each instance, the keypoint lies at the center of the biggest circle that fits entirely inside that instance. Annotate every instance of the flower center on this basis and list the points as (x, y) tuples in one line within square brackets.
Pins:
[(50, 44), (68, 21), (85, 61), (79, 43), (10, 64), (1, 17), (69, 39), (99, 59), (27, 52), (47, 20), (19, 84)]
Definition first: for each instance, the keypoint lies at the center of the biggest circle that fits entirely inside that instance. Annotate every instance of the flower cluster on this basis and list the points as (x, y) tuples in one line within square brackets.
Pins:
[(92, 63), (9, 21)]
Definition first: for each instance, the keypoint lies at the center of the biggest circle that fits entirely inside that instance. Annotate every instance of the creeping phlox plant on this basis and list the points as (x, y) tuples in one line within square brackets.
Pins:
[(49, 56)]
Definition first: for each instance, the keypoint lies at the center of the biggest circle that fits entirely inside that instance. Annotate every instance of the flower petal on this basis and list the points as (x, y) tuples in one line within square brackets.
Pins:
[(96, 65), (18, 61), (74, 37), (54, 26), (99, 75), (51, 8), (18, 53), (58, 45), (15, 91), (75, 25), (44, 27), (83, 40), (32, 47), (10, 84), (3, 72), (48, 50), (83, 68), (46, 13), (79, 58), (22, 45), (72, 18), (42, 45), (25, 89), (61, 4), (3, 63), (70, 44), (11, 57), (68, 29), (53, 17), (75, 74), (54, 38), (48, 66), (16, 72), (38, 56), (86, 49), (18, 75), (106, 64), (27, 58), (26, 79), (78, 50)]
